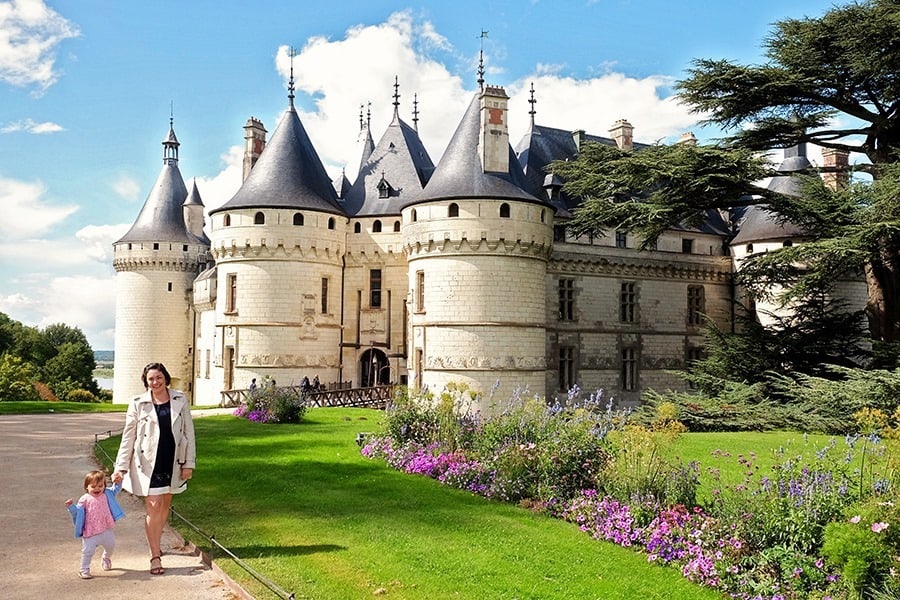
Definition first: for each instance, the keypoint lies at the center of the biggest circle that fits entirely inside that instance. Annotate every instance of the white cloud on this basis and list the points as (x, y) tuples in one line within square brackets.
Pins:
[(86, 302), (344, 74), (31, 31), (30, 126), (25, 212), (218, 189), (97, 241), (340, 75), (595, 104), (127, 187)]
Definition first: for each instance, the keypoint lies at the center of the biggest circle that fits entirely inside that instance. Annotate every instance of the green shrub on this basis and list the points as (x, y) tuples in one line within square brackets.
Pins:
[(863, 545), (273, 405), (638, 472), (80, 396)]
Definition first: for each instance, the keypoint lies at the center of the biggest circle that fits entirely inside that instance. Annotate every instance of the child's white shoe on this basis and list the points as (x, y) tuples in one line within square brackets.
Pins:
[(85, 575)]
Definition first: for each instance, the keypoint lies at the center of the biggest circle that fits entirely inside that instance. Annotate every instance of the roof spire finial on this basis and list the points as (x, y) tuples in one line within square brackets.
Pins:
[(292, 54), (483, 35), (396, 97), (416, 112), (362, 123), (532, 102), (170, 144), (369, 116)]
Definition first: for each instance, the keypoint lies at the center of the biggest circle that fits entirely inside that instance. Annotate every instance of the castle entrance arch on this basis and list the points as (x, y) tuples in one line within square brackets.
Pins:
[(374, 368)]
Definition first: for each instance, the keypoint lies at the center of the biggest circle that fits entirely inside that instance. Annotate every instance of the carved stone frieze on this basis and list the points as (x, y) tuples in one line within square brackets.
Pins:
[(486, 362)]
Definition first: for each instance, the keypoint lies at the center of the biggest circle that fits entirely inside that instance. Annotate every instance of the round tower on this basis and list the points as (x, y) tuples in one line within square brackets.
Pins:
[(477, 241), (279, 245), (156, 263)]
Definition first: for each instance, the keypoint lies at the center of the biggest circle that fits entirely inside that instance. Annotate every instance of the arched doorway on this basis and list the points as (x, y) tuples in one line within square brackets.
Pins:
[(374, 368)]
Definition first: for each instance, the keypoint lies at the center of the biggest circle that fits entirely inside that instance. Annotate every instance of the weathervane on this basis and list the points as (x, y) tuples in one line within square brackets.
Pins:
[(483, 35), (532, 102), (292, 53)]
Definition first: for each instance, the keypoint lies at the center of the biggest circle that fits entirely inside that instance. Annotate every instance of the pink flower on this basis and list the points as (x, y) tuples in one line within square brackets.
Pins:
[(879, 527), (854, 519)]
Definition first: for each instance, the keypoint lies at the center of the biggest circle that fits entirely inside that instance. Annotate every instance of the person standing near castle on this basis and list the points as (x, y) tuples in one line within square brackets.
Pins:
[(157, 452)]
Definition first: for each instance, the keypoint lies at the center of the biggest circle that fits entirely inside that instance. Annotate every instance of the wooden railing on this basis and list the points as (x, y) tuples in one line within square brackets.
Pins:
[(337, 394), (377, 396)]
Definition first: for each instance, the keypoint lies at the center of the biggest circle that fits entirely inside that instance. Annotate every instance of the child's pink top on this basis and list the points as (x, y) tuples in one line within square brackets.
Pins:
[(97, 516)]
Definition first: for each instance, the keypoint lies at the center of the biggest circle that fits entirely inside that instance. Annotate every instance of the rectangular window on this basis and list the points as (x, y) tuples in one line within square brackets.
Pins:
[(231, 293), (629, 369), (627, 302), (420, 291), (169, 287), (566, 299), (559, 233), (206, 363), (324, 295), (420, 368), (693, 354), (566, 368), (687, 246), (620, 239), (375, 288), (695, 304)]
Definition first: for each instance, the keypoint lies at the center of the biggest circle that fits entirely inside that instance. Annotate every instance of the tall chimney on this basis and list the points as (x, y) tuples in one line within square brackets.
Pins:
[(621, 132), (494, 130), (687, 138), (839, 159), (254, 143), (578, 138)]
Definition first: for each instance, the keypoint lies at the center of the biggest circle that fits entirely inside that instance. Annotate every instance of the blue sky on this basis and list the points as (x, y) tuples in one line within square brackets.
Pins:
[(87, 88)]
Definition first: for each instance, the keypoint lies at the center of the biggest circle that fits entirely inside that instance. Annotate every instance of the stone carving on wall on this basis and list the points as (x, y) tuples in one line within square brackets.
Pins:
[(309, 304), (486, 362), (661, 362), (308, 330), (287, 360)]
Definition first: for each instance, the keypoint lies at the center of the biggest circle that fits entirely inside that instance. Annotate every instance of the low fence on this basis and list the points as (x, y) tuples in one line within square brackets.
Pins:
[(210, 539), (334, 394)]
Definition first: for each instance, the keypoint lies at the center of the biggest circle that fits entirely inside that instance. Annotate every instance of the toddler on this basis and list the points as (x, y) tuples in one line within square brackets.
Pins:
[(94, 515)]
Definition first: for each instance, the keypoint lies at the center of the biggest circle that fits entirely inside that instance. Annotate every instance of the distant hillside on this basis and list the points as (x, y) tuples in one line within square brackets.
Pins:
[(104, 356)]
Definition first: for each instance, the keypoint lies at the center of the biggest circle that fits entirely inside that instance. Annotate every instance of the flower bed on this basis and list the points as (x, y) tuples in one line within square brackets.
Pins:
[(820, 524)]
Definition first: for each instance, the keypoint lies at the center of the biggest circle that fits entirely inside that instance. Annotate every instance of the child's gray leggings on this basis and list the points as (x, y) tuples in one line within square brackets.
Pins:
[(107, 539)]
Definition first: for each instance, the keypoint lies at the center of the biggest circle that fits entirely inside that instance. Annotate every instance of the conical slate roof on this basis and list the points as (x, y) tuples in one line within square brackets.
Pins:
[(460, 174), (162, 219), (288, 174), (194, 199), (759, 222), (397, 169), (368, 148)]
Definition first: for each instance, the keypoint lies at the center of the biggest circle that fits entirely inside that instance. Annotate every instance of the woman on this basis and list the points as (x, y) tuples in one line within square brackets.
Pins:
[(157, 452)]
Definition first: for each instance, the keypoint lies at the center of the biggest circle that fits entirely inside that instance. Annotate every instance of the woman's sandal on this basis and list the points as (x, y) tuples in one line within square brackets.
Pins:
[(156, 570)]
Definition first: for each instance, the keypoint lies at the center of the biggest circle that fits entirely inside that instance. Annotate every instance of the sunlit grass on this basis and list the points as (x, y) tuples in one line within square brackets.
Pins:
[(302, 506)]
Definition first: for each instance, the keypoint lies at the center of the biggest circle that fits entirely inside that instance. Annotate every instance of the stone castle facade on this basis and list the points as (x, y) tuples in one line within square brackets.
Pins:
[(418, 273)]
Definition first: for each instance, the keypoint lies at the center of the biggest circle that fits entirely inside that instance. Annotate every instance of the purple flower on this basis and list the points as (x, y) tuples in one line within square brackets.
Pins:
[(879, 527)]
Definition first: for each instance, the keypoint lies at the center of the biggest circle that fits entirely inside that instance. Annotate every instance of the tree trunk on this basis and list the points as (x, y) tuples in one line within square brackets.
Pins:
[(883, 309)]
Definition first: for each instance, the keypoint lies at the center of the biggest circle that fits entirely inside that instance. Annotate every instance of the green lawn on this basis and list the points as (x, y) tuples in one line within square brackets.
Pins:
[(305, 509), (41, 407)]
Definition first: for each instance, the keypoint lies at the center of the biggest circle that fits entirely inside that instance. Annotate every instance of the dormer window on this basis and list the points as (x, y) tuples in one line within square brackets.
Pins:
[(357, 228), (384, 188), (396, 225)]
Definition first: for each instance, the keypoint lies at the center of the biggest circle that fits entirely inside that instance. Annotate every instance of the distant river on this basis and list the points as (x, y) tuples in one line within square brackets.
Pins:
[(105, 383)]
